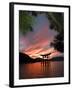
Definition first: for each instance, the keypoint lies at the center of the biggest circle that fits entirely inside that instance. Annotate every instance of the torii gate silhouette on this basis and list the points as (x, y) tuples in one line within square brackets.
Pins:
[(45, 55)]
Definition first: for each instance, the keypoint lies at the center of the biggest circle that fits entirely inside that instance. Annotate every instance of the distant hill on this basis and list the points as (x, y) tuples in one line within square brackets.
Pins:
[(60, 58), (24, 58), (39, 59), (53, 59)]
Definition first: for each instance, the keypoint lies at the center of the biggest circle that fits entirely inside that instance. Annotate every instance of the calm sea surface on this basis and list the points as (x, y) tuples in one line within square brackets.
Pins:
[(41, 69)]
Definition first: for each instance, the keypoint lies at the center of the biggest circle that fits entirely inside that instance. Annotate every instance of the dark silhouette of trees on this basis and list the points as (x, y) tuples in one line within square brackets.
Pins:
[(26, 21), (57, 23), (58, 42)]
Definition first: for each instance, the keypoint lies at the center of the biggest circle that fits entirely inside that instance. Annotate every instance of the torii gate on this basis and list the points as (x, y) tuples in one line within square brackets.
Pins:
[(45, 55)]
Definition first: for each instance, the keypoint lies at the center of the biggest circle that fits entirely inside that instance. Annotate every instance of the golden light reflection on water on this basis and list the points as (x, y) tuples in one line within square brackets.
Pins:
[(42, 69)]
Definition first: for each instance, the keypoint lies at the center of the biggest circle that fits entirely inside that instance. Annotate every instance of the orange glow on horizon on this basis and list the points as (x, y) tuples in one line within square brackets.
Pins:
[(36, 53)]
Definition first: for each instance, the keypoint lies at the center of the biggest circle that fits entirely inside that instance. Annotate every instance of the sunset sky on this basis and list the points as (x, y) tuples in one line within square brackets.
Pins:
[(37, 42)]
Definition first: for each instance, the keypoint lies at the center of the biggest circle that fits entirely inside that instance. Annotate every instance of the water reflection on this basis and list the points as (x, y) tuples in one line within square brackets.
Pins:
[(42, 69)]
